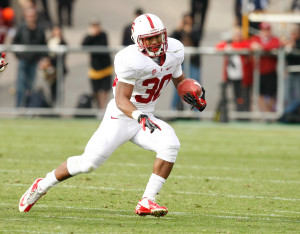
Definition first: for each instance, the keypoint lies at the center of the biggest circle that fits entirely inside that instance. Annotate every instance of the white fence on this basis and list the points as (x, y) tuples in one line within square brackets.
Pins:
[(61, 110)]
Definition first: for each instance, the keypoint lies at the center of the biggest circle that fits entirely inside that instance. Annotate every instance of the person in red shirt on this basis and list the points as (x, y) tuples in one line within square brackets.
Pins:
[(238, 69), (6, 23), (266, 41)]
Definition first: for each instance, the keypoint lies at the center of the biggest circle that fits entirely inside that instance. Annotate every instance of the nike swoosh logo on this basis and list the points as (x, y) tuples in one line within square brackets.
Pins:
[(113, 117), (168, 68), (175, 51)]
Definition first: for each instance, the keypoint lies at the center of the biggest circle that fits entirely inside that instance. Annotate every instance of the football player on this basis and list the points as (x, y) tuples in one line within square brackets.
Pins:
[(143, 70), (3, 62)]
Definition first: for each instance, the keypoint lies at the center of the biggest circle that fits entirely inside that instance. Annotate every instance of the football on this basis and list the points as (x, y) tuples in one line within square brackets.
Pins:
[(189, 86)]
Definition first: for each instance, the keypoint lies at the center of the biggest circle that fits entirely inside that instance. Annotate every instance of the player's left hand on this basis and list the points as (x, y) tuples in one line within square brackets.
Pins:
[(145, 121), (195, 101)]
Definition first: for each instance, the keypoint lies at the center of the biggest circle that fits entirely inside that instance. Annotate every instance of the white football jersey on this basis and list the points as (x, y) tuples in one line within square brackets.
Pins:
[(148, 78)]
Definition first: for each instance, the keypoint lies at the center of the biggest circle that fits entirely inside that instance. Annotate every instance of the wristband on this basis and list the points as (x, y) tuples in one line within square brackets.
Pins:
[(135, 114)]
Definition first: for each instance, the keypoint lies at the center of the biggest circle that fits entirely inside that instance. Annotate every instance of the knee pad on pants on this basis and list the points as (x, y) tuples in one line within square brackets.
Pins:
[(169, 153), (80, 164)]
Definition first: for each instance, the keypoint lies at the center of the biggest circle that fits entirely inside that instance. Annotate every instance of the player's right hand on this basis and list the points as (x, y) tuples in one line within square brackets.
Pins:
[(195, 101), (145, 121)]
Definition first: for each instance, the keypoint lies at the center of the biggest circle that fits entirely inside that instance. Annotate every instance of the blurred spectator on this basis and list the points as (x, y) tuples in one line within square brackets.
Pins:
[(7, 16), (42, 9), (293, 81), (6, 23), (199, 10), (4, 3), (25, 4), (247, 6), (46, 12), (127, 30), (49, 63), (238, 69), (295, 6), (65, 12), (189, 36), (28, 33), (100, 64), (266, 41)]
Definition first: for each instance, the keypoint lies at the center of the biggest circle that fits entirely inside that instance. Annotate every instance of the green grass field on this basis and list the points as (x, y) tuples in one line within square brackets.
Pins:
[(235, 178)]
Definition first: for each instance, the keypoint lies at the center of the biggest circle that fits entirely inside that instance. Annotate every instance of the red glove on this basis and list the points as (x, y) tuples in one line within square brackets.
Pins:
[(195, 101), (145, 121)]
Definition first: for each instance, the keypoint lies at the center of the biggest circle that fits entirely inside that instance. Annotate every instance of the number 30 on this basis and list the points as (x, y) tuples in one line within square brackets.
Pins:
[(154, 92)]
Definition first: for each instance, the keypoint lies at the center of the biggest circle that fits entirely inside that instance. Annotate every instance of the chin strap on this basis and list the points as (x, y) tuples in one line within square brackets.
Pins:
[(162, 59)]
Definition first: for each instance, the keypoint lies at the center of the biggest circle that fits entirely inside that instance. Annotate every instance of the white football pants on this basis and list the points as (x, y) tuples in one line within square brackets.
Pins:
[(112, 133)]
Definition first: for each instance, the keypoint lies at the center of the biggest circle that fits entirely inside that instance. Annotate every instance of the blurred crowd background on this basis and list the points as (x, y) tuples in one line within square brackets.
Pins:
[(30, 78)]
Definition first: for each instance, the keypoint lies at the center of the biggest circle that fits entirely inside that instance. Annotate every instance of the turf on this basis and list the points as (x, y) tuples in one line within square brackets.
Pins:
[(234, 178)]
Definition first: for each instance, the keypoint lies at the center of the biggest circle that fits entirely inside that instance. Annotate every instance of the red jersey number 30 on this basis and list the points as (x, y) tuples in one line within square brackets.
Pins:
[(154, 92)]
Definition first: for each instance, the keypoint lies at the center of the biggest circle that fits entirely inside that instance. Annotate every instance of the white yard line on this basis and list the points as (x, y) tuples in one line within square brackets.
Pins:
[(71, 217), (234, 215), (195, 167), (239, 196), (207, 177), (179, 192), (287, 211), (175, 177), (174, 213), (250, 214), (250, 218), (21, 231)]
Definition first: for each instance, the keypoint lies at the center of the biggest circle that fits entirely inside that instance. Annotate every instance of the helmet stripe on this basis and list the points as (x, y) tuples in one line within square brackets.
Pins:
[(150, 21)]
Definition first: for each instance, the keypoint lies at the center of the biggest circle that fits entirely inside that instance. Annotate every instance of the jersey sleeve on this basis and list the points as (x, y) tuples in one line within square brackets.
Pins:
[(123, 70), (178, 71), (180, 58)]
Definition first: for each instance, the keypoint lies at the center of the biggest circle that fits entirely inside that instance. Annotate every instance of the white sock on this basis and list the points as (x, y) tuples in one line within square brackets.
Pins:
[(48, 182), (154, 186)]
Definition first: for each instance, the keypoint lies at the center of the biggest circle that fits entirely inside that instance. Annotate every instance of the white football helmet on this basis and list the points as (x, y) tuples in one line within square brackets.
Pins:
[(145, 26)]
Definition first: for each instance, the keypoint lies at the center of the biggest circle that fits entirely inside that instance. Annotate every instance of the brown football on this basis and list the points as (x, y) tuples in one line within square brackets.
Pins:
[(189, 86)]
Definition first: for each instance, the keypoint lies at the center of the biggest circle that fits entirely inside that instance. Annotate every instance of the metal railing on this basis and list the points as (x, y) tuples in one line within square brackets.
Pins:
[(59, 109)]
